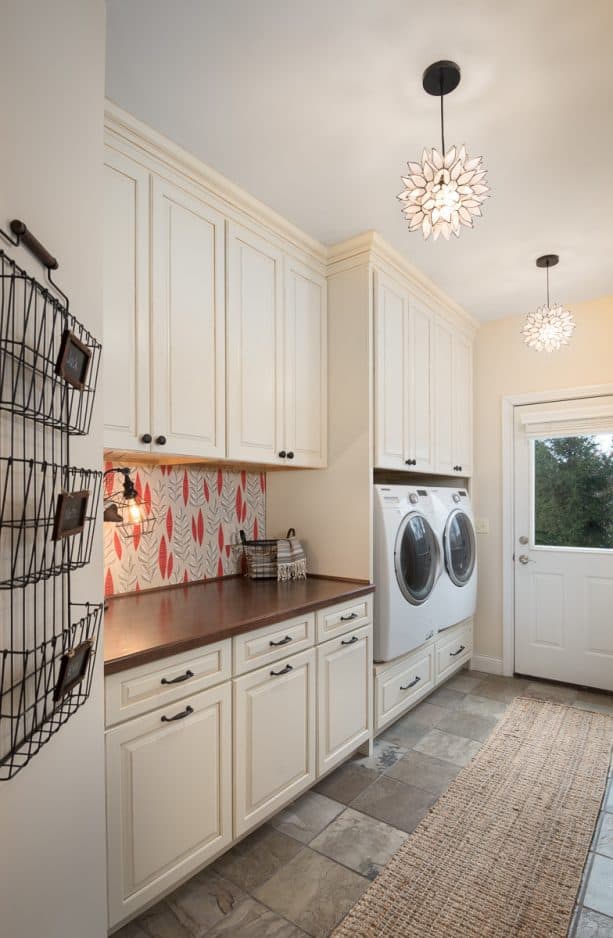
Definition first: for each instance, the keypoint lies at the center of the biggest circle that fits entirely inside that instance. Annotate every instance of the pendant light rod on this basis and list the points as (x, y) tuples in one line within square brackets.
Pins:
[(440, 79), (547, 261), (442, 120)]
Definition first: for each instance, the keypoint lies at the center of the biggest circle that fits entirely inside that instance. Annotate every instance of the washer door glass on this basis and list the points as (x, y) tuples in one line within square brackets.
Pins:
[(460, 549), (416, 558)]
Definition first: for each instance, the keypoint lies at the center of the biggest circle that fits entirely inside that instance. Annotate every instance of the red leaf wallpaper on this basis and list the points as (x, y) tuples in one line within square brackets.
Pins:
[(198, 514)]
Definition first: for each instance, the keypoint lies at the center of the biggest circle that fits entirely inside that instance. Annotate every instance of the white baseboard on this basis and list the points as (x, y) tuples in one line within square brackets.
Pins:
[(487, 664)]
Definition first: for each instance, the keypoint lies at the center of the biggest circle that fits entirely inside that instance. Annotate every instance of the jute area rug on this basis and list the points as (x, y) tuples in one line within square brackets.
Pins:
[(502, 852)]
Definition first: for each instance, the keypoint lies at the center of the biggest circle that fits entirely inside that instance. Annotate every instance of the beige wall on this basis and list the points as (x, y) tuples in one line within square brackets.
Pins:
[(52, 820), (504, 366)]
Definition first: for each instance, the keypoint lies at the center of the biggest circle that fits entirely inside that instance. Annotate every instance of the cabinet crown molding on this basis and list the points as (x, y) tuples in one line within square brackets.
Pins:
[(370, 248), (129, 128)]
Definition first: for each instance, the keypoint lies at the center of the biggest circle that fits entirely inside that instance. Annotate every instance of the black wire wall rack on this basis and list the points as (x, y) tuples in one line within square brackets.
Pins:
[(49, 365)]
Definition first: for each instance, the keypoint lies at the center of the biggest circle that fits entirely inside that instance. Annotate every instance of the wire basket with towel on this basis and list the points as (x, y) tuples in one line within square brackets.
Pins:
[(280, 558)]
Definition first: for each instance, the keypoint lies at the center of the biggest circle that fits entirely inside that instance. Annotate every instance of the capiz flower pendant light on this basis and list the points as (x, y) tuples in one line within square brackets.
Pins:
[(549, 327), (446, 190)]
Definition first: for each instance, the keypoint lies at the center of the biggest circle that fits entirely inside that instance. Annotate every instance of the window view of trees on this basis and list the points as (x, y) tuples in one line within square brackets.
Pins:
[(574, 491)]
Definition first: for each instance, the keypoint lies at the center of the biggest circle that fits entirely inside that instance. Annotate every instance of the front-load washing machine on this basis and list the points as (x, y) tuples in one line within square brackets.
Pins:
[(456, 529), (407, 568)]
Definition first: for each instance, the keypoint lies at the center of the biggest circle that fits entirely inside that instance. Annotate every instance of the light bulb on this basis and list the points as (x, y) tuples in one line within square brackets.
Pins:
[(134, 511)]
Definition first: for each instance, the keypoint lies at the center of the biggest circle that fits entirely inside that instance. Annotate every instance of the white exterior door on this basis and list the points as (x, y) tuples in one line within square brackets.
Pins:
[(169, 799), (392, 349), (305, 401), (563, 545), (126, 359), (188, 309), (274, 738), (255, 348)]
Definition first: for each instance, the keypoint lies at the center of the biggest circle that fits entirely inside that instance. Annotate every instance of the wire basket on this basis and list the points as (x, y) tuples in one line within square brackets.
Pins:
[(36, 540), (38, 690), (49, 362)]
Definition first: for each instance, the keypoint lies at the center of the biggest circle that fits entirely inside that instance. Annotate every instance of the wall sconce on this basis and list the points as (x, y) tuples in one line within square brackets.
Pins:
[(125, 507)]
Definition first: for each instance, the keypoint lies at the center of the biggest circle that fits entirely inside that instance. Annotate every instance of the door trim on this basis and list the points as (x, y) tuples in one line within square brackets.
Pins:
[(509, 403)]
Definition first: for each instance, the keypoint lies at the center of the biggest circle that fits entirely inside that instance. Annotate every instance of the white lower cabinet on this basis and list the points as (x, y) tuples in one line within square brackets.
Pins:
[(344, 696), (169, 805), (274, 738)]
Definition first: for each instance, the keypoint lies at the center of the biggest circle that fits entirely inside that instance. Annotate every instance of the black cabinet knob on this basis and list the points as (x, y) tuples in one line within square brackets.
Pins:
[(146, 438), (411, 462), (290, 455), (160, 440), (282, 454)]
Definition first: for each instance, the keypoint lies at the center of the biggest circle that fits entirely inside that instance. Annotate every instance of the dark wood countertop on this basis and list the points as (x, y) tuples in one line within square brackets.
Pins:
[(144, 627)]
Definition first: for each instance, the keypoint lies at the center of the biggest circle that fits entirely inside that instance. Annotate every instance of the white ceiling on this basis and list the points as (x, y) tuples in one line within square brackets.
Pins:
[(315, 106)]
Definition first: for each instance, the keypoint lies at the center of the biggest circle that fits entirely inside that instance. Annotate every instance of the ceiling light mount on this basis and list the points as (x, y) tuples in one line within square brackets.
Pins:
[(548, 260), (445, 190)]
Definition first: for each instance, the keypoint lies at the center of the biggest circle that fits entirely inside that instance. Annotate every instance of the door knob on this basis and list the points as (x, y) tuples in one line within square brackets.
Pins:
[(524, 540), (523, 558)]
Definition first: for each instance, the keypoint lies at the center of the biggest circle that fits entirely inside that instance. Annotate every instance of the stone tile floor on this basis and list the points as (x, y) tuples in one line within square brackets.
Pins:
[(299, 874)]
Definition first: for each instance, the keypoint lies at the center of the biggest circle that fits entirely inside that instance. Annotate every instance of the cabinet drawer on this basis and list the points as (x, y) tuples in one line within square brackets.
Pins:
[(262, 646), (336, 620), (453, 648), (274, 738), (139, 690), (398, 687)]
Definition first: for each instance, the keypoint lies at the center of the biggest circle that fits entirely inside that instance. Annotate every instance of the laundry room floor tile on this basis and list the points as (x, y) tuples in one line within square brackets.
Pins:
[(203, 901), (482, 706), (402, 806), (591, 924), (556, 692), (470, 725), (307, 816), (253, 919), (599, 890), (385, 754), (604, 839), (360, 842), (346, 783), (405, 732), (464, 682), (256, 858), (448, 747), (500, 688), (422, 771), (444, 697)]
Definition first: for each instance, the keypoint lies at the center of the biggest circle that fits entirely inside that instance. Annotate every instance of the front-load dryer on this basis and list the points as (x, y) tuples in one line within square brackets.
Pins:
[(407, 569), (458, 583)]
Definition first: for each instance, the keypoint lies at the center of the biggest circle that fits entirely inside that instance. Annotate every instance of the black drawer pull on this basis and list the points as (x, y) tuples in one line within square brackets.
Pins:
[(283, 641), (179, 716), (178, 680), (350, 641), (284, 670), (352, 615), (452, 654), (411, 683)]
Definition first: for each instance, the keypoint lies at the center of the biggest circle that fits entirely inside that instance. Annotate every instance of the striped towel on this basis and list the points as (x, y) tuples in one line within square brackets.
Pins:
[(291, 558)]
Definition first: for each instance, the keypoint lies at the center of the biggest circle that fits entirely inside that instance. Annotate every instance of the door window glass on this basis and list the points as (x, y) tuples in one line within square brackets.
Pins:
[(416, 559), (573, 491)]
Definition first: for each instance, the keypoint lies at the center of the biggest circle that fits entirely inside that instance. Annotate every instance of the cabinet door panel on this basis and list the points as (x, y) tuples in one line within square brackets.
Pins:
[(344, 669), (462, 403), (421, 433), (274, 738), (188, 384), (255, 347), (391, 413), (305, 365), (443, 407), (126, 303), (168, 797)]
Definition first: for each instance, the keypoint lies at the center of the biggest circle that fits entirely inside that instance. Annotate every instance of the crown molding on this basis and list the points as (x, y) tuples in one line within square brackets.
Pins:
[(124, 125), (370, 248)]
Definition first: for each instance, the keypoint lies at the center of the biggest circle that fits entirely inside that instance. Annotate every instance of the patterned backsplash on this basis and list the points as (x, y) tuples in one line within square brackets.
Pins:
[(198, 514)]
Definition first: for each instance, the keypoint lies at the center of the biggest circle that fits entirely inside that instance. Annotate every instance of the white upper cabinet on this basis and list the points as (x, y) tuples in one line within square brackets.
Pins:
[(255, 348), (462, 404), (126, 360), (305, 378), (423, 385), (392, 344), (188, 340), (276, 355), (443, 396)]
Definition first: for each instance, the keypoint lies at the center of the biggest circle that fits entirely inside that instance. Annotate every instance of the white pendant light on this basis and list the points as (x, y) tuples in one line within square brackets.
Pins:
[(446, 190), (549, 327)]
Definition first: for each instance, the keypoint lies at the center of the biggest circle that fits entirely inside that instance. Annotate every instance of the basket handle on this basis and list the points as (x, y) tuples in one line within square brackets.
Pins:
[(291, 533), (243, 537)]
